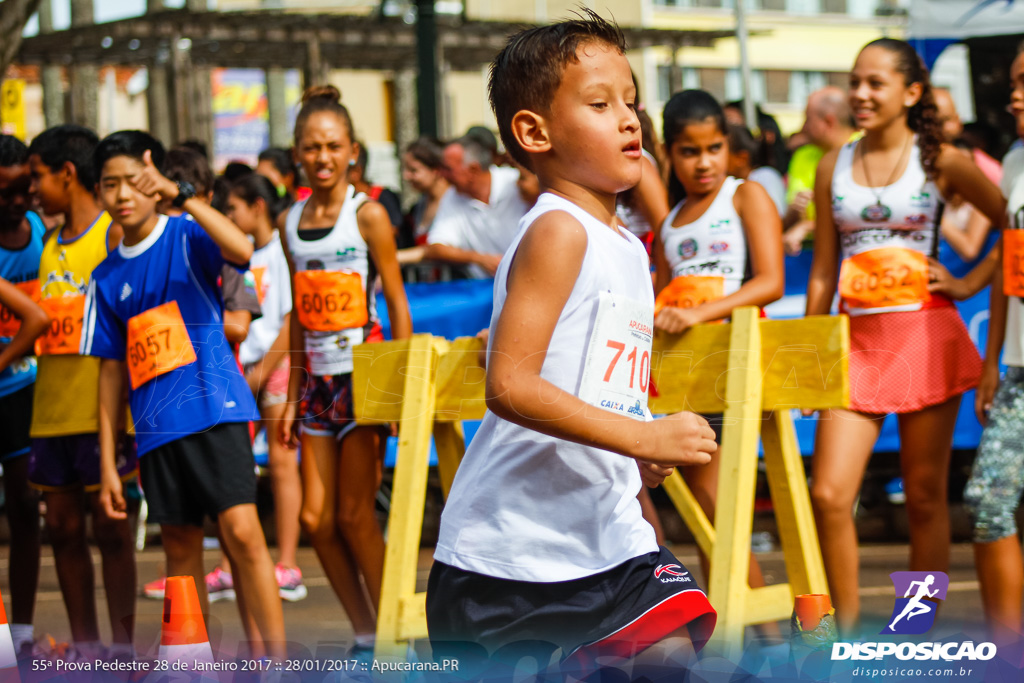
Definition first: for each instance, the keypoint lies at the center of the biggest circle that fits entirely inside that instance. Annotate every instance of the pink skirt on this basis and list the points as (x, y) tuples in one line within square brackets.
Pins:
[(903, 362)]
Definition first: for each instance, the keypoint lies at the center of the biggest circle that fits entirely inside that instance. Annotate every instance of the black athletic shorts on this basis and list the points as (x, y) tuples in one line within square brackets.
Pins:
[(199, 474), (618, 613), (15, 419)]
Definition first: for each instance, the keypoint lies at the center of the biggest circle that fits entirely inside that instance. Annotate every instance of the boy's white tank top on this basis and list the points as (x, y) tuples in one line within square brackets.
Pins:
[(912, 202), (713, 245), (343, 249), (531, 507)]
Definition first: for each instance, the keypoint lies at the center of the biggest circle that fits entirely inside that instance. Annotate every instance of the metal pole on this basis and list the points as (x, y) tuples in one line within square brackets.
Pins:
[(426, 56), (52, 75), (749, 111)]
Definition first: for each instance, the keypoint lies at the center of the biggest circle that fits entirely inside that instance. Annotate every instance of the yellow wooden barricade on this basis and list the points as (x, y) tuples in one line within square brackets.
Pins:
[(742, 369)]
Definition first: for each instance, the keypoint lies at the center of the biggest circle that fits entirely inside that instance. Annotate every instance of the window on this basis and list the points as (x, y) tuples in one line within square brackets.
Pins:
[(691, 80), (840, 79), (802, 84), (833, 6), (776, 86), (772, 5), (713, 80)]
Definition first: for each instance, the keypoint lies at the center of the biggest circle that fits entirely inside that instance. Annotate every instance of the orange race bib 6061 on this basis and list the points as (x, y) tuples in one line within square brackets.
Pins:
[(690, 291), (1013, 262), (64, 334), (10, 323), (330, 301), (158, 342), (891, 276)]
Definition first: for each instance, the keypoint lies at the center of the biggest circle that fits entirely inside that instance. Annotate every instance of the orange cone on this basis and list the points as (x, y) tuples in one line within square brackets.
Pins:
[(8, 658), (183, 635)]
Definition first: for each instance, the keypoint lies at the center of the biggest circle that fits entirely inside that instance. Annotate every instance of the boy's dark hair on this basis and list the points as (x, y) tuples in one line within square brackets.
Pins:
[(67, 144), (221, 190), (13, 151), (528, 70), (127, 143), (236, 170), (281, 158), (186, 164), (197, 146)]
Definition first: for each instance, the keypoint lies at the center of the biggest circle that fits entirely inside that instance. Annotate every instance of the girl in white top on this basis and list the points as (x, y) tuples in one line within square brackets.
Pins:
[(253, 205), (719, 248), (337, 242), (878, 202)]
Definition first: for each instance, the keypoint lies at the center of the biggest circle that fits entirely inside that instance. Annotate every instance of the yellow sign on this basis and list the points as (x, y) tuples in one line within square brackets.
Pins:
[(12, 108)]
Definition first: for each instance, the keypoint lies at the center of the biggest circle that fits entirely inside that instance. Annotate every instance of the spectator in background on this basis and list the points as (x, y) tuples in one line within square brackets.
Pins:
[(953, 129), (775, 152), (423, 171), (197, 146), (828, 126), (358, 179), (745, 155), (486, 139), (964, 228), (479, 216), (276, 165)]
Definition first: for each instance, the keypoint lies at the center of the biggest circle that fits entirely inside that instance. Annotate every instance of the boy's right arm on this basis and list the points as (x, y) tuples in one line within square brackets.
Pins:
[(541, 278), (111, 407)]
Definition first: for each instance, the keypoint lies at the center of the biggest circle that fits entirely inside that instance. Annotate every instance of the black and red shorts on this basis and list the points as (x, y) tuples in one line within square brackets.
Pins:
[(617, 613)]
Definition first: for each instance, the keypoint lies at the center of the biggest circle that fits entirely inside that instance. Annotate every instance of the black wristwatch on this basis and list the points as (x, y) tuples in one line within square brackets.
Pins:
[(185, 192)]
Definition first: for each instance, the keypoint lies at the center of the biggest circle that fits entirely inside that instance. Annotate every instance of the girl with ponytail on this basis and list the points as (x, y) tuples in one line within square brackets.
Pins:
[(880, 203)]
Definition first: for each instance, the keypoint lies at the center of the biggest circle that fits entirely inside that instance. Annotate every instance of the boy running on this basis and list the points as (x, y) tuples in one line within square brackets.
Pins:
[(65, 417), (153, 313), (542, 538)]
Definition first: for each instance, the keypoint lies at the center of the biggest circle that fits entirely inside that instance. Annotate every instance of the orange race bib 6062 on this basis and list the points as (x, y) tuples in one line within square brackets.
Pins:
[(690, 291), (158, 342), (1013, 262), (330, 301), (891, 276), (10, 323), (64, 334)]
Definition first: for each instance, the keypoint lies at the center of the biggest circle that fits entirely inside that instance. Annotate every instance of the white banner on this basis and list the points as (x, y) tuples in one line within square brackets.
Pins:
[(965, 18)]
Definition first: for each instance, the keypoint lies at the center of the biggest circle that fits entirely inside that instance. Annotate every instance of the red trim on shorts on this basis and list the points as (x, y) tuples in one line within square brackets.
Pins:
[(689, 608)]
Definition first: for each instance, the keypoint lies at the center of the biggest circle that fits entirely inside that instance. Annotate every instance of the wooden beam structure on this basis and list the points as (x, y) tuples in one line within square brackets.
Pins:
[(276, 38)]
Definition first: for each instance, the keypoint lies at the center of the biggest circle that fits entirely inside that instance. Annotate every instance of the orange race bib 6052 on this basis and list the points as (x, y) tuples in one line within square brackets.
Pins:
[(64, 334), (891, 276), (1013, 262), (690, 291), (330, 301), (158, 342), (10, 323)]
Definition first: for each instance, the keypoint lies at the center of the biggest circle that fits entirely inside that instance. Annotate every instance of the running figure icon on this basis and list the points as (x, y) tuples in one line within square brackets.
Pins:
[(915, 606)]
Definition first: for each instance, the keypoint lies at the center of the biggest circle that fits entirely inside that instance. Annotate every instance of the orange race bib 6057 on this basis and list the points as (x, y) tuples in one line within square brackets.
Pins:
[(64, 334), (690, 291), (330, 301), (891, 276), (158, 342), (10, 323), (1013, 262)]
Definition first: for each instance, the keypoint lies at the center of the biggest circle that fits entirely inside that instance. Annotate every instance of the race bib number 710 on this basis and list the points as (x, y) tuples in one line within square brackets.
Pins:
[(618, 365)]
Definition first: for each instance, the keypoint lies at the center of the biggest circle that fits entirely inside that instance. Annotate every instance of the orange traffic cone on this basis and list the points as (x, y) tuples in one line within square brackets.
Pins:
[(8, 659), (183, 635)]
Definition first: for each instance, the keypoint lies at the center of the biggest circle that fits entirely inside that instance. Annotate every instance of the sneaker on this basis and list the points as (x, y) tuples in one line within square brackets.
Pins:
[(219, 585), (155, 589), (289, 583)]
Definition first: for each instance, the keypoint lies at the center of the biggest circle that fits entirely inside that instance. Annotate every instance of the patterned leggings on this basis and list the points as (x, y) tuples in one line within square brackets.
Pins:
[(997, 478)]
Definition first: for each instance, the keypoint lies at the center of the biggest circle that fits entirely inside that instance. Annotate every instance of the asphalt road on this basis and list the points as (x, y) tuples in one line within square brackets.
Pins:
[(318, 623)]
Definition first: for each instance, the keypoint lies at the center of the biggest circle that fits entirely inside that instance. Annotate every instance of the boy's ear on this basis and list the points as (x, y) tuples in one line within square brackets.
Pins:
[(530, 131), (69, 172)]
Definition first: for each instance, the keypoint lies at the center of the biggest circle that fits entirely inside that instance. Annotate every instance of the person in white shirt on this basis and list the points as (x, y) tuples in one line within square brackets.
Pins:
[(479, 215)]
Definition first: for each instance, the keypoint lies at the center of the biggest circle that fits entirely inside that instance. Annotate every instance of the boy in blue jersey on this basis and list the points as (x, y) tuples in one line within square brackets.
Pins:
[(21, 243), (153, 313)]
